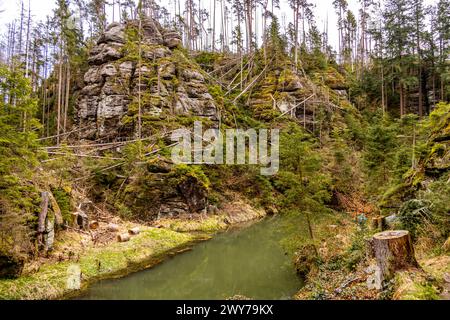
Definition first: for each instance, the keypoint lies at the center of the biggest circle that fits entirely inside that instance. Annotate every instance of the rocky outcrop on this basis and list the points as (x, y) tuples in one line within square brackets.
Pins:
[(279, 91), (285, 91), (161, 195), (168, 82)]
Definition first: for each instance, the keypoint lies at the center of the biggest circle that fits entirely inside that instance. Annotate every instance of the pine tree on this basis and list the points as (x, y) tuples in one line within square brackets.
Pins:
[(442, 29), (97, 11), (17, 161), (419, 25), (398, 27), (349, 36), (341, 7)]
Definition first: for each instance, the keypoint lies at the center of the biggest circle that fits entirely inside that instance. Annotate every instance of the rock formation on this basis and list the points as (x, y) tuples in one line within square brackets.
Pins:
[(287, 91), (169, 83)]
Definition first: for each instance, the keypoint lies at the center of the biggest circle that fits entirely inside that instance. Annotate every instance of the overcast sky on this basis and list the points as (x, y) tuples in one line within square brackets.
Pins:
[(41, 8)]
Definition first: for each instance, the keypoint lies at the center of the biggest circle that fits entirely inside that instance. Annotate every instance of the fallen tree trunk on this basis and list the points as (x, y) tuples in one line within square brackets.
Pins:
[(134, 231), (393, 250), (56, 209), (123, 237)]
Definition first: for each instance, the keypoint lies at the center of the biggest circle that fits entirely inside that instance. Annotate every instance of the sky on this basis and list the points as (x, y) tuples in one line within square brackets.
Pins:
[(324, 8)]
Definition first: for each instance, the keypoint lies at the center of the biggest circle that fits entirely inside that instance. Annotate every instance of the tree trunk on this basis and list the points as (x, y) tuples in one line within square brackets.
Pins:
[(56, 209), (382, 90), (58, 125), (311, 233), (214, 28), (393, 250), (43, 212), (27, 47), (402, 101), (139, 134), (296, 37), (66, 108)]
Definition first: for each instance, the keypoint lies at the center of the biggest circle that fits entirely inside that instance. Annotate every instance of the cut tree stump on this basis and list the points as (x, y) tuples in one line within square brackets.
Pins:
[(393, 250), (94, 225), (377, 223)]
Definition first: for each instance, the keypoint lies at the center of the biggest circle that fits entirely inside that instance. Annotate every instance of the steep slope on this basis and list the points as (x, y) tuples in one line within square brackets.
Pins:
[(107, 175)]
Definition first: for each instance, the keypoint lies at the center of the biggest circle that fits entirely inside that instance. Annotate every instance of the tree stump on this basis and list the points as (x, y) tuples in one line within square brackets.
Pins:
[(393, 250), (377, 223), (94, 225)]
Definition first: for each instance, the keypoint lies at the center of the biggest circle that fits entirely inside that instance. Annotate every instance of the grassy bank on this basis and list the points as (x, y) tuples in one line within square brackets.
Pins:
[(115, 259)]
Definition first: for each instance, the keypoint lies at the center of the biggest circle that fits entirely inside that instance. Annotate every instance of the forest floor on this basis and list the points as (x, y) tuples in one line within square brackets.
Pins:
[(344, 268), (98, 254)]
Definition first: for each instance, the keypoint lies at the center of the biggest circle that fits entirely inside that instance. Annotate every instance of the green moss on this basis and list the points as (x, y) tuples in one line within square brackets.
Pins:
[(208, 225), (419, 291), (207, 59), (182, 171), (63, 199)]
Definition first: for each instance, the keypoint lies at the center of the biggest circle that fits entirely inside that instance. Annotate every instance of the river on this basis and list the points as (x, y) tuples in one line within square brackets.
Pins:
[(246, 261)]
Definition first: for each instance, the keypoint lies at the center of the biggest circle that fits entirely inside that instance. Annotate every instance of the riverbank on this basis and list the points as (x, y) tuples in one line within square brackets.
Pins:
[(47, 278), (248, 260), (96, 263)]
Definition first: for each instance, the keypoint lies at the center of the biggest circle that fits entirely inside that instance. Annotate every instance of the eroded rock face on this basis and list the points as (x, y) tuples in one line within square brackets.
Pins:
[(168, 84), (114, 33), (194, 195), (162, 195)]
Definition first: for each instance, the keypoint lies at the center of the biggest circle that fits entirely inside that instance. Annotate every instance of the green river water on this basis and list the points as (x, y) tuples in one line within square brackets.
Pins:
[(246, 261)]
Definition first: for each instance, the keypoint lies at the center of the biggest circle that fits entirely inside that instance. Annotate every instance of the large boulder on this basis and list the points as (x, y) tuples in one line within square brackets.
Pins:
[(167, 70), (151, 31), (192, 75), (108, 70), (172, 39), (293, 85), (126, 69), (104, 53), (93, 76)]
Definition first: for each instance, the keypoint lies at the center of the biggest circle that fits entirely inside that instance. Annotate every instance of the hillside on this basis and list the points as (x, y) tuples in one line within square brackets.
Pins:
[(357, 144)]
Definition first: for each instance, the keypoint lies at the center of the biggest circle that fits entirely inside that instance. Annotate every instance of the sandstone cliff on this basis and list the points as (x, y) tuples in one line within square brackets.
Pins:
[(165, 79)]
